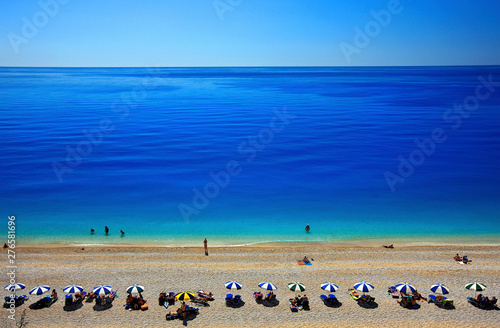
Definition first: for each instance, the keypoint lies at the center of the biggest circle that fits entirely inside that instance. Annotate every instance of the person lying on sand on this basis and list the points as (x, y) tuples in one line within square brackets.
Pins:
[(203, 293), (389, 246), (457, 258), (419, 297)]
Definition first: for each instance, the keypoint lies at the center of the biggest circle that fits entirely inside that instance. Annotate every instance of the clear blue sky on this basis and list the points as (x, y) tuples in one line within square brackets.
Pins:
[(247, 33)]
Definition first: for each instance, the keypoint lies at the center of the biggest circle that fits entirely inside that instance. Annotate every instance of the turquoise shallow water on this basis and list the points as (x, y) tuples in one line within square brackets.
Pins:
[(269, 149)]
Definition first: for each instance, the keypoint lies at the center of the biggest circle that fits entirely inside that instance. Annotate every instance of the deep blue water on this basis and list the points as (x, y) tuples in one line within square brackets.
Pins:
[(81, 148)]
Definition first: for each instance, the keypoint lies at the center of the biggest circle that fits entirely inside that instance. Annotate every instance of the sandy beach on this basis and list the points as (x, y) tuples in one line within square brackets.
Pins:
[(187, 268)]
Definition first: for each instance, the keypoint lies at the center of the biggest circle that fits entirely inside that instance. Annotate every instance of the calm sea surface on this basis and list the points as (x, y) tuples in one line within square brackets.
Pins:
[(249, 155)]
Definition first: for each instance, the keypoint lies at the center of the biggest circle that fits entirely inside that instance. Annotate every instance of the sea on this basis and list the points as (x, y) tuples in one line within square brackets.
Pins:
[(250, 155)]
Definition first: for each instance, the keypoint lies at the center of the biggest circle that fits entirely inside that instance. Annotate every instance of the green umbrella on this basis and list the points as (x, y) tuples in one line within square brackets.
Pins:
[(475, 286), (296, 287)]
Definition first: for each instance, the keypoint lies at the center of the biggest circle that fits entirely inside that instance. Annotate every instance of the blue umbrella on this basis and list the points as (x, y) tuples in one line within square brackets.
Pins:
[(233, 285), (16, 286), (39, 290), (72, 289), (329, 287), (268, 286), (440, 288), (406, 288), (364, 287), (102, 290), (135, 289)]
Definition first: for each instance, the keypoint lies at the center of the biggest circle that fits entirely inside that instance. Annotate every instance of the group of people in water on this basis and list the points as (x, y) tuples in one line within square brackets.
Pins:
[(106, 231)]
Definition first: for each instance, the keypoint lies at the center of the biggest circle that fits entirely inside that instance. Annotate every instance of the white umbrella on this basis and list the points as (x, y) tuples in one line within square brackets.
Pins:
[(296, 287), (16, 286), (475, 286), (268, 286), (233, 285), (39, 290), (329, 287), (364, 287), (102, 290), (72, 289), (440, 289), (406, 288), (135, 289)]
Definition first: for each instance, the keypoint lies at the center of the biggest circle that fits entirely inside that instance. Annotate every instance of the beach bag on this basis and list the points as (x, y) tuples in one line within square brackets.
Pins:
[(144, 307)]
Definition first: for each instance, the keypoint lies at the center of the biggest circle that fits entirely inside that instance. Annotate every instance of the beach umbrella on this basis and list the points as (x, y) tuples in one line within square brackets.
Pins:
[(364, 287), (16, 286), (440, 289), (296, 287), (71, 289), (233, 285), (102, 290), (475, 286), (39, 290), (406, 288), (185, 296), (329, 287), (135, 289), (268, 286)]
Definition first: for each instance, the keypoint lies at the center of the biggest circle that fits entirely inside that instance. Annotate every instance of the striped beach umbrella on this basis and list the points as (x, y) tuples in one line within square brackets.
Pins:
[(406, 288), (71, 289), (296, 287), (102, 290), (268, 286), (329, 287), (233, 285), (185, 296), (13, 287), (39, 290), (364, 286), (135, 289), (440, 289), (475, 286)]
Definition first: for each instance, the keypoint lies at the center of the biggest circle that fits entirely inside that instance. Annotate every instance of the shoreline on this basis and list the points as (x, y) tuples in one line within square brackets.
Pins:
[(448, 241), (332, 245)]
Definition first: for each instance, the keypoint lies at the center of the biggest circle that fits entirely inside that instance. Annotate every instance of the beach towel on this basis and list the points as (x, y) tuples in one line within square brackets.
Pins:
[(303, 263)]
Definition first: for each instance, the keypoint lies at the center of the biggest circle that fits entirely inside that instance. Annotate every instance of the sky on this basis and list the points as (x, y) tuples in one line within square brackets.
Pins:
[(170, 33)]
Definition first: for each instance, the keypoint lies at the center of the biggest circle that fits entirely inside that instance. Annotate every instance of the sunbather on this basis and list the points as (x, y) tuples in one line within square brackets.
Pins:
[(203, 293), (389, 246), (479, 298), (257, 295), (419, 297), (457, 258), (354, 293)]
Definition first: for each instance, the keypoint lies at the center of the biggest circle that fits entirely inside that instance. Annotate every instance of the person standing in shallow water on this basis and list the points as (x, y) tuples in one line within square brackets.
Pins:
[(205, 245), (308, 228), (106, 229)]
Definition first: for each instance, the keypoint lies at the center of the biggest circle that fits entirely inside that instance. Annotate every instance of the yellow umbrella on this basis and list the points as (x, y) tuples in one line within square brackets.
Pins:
[(185, 296)]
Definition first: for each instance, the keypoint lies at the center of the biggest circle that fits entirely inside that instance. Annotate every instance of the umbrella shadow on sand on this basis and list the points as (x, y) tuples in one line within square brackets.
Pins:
[(368, 305), (189, 317), (270, 303), (103, 307), (73, 307)]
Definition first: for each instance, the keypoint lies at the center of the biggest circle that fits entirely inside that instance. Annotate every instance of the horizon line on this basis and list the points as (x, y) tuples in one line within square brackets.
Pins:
[(318, 66)]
